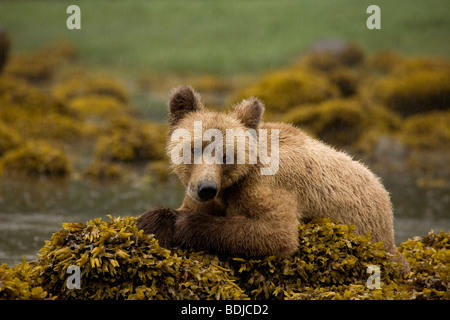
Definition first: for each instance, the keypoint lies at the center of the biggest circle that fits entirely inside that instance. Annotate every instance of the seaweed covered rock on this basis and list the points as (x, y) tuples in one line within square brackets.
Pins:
[(9, 138), (281, 90), (429, 258), (132, 141), (325, 72), (40, 65), (36, 159), (54, 127), (103, 171), (346, 80), (328, 54), (72, 115), (37, 115), (17, 94), (99, 108), (77, 86), (333, 263), (426, 138), (118, 261), (18, 283), (342, 122), (329, 255), (383, 62), (416, 86), (338, 122), (429, 131)]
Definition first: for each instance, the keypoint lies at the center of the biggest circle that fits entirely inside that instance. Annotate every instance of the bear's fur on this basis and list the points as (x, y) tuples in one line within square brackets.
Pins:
[(257, 215)]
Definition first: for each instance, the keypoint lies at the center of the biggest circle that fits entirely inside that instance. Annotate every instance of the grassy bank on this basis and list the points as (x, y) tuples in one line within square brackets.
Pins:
[(229, 38)]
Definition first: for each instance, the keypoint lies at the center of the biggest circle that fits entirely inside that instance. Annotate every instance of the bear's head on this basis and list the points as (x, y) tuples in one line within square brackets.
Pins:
[(210, 151)]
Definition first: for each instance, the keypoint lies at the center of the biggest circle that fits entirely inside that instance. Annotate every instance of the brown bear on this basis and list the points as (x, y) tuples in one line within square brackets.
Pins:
[(249, 184)]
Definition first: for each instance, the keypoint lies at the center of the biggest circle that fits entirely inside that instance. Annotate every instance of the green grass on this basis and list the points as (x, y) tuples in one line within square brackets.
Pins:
[(224, 37)]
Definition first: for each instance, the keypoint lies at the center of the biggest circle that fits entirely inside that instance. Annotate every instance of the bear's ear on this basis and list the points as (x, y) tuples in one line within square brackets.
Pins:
[(250, 112), (182, 101)]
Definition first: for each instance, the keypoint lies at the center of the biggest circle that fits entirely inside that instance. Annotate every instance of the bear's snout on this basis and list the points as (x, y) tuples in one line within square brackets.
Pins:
[(206, 190)]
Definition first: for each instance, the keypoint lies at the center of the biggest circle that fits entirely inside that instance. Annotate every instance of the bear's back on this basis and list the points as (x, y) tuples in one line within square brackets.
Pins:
[(324, 179)]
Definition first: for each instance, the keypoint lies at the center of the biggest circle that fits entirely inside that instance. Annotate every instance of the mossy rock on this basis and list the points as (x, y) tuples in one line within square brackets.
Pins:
[(341, 122), (329, 54), (9, 139), (429, 131), (118, 261), (410, 65), (18, 94), (384, 61), (416, 91), (338, 122), (36, 159), (346, 80), (379, 139), (79, 85), (37, 115), (53, 128), (135, 141), (99, 108), (282, 90), (103, 171), (40, 65), (426, 138)]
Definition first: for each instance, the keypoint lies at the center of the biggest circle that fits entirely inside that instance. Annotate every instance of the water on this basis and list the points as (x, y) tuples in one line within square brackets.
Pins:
[(31, 211), (417, 210)]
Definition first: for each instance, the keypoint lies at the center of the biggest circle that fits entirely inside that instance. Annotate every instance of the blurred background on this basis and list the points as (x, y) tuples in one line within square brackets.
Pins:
[(82, 112)]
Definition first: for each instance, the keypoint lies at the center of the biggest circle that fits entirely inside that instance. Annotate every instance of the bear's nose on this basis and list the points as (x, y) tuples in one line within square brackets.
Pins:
[(207, 190)]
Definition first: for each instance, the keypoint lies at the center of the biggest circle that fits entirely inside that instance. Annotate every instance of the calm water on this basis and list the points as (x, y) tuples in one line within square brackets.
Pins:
[(31, 211)]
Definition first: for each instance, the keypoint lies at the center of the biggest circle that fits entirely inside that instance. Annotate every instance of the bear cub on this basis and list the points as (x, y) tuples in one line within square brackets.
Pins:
[(250, 183)]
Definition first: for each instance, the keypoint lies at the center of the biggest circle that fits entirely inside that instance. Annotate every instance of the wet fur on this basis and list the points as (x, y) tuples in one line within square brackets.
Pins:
[(255, 215)]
